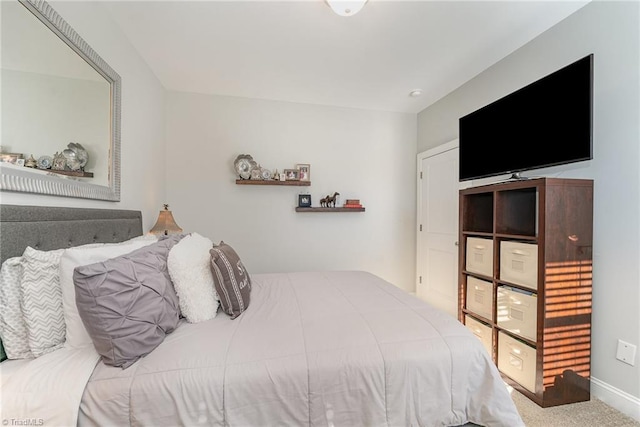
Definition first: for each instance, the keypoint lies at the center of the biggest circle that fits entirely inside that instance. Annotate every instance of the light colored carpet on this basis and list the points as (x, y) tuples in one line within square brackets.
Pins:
[(584, 414)]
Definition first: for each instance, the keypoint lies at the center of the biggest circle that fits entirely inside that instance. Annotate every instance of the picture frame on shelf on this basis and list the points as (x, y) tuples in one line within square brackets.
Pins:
[(304, 171), (292, 174), (19, 162), (304, 200)]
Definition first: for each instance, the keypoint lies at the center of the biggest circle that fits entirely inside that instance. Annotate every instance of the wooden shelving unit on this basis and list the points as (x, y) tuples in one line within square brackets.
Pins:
[(543, 346), (329, 209), (272, 182)]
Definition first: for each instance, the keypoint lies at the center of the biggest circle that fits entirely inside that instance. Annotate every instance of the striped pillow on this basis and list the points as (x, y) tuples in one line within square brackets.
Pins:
[(231, 280)]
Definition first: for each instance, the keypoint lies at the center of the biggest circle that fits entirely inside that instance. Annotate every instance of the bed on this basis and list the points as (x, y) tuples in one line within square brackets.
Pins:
[(312, 348)]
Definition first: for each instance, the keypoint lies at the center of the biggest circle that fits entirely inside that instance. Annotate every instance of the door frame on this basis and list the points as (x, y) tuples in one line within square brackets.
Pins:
[(447, 146)]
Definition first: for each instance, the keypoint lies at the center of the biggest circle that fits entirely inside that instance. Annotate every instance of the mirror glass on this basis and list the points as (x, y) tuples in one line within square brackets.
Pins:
[(60, 107)]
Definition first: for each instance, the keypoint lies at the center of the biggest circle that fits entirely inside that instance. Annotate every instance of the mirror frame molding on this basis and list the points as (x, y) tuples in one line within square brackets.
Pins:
[(27, 180)]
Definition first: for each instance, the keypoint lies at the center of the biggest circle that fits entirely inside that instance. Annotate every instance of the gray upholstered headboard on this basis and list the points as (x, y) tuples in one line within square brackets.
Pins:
[(47, 228)]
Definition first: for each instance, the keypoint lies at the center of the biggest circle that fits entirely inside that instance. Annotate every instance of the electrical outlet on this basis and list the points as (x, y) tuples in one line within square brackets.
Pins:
[(626, 352)]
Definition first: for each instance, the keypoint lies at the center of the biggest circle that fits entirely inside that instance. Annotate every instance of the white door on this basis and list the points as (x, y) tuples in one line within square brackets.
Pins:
[(437, 241)]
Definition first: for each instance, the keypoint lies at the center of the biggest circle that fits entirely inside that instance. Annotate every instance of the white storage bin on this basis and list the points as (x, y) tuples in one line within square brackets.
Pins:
[(517, 311), (480, 256), (517, 360), (480, 330), (480, 297), (519, 263)]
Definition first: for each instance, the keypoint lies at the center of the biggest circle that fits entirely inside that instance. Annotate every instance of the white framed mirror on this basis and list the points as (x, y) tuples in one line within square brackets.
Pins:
[(56, 90)]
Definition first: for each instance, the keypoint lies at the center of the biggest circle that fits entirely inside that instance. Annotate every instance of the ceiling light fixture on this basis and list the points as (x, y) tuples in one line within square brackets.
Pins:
[(415, 93), (346, 7)]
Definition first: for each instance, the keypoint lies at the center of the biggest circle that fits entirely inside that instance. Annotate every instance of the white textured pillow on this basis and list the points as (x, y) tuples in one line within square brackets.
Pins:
[(189, 269), (42, 300), (13, 329), (76, 334)]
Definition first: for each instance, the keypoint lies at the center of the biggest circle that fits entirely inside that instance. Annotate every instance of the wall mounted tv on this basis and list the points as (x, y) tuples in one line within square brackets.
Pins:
[(546, 123)]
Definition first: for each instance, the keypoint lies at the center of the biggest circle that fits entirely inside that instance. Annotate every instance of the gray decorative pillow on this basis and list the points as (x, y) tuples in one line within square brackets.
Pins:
[(42, 300), (13, 329), (128, 303), (232, 282)]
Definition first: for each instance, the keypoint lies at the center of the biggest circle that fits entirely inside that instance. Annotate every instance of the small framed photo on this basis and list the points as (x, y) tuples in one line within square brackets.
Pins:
[(19, 162), (292, 174), (305, 172), (304, 200), (10, 158)]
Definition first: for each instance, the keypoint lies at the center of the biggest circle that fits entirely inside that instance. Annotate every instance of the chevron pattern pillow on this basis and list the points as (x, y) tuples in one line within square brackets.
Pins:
[(13, 329), (42, 300)]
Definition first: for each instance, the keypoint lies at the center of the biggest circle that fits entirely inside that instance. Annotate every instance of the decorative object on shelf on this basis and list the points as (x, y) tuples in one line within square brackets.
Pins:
[(265, 173), (243, 165), (31, 162), (10, 157), (329, 201), (255, 174), (304, 172), (19, 162), (304, 200), (165, 224), (276, 175), (352, 204), (283, 176), (59, 162), (292, 174), (77, 157), (45, 162)]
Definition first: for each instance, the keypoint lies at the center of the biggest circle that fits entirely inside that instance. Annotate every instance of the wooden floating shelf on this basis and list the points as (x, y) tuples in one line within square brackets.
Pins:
[(70, 173), (272, 182), (329, 209)]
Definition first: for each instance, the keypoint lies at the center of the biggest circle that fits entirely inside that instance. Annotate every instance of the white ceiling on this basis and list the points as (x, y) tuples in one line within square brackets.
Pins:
[(301, 51)]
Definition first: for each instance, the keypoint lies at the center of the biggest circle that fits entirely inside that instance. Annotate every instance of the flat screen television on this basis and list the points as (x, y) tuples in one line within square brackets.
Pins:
[(546, 123)]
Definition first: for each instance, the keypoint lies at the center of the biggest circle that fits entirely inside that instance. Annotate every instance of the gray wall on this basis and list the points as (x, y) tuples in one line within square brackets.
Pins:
[(362, 154), (610, 31)]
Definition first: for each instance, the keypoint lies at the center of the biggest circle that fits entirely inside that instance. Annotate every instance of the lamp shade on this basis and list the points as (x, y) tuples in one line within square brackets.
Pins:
[(346, 7), (165, 223)]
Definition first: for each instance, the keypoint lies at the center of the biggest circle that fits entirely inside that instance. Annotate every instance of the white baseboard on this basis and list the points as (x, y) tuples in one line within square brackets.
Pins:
[(616, 398)]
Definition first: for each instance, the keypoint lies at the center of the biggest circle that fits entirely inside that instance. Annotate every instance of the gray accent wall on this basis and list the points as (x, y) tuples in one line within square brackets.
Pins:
[(609, 30)]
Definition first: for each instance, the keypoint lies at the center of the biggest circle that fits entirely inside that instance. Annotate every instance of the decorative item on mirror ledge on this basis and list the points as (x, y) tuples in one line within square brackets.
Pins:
[(10, 157)]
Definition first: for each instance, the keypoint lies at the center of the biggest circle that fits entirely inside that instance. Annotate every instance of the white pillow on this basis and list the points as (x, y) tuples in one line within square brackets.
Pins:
[(189, 268), (42, 300), (13, 329), (76, 334)]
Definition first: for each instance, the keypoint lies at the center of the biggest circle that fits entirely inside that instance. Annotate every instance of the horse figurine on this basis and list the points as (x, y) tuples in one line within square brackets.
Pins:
[(329, 201)]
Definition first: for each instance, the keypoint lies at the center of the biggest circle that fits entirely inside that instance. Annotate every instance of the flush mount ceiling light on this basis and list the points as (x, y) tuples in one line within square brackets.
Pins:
[(346, 7), (415, 93)]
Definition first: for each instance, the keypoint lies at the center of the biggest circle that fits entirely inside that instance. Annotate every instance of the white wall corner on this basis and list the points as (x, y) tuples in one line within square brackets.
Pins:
[(616, 398)]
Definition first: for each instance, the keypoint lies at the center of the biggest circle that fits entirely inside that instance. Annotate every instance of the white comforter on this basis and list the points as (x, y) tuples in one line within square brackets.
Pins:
[(317, 349), (45, 391)]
